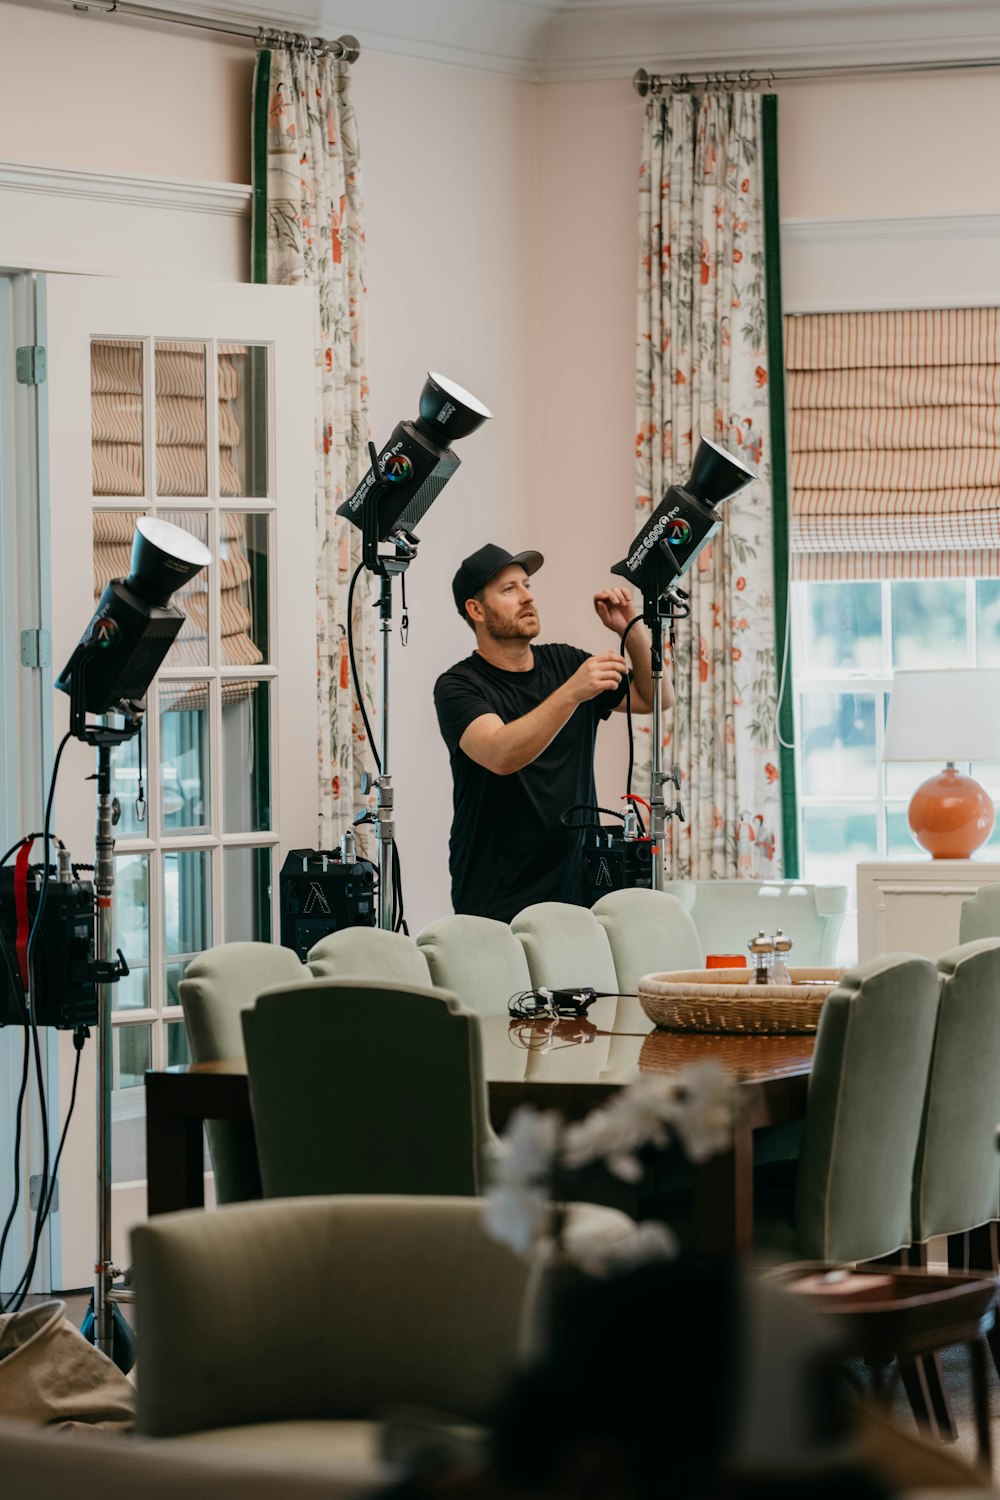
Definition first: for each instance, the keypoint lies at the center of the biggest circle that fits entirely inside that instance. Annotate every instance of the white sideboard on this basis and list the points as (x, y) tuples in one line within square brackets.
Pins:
[(913, 906)]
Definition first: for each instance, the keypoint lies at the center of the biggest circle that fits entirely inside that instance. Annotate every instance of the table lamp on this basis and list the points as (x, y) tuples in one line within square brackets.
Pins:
[(948, 715)]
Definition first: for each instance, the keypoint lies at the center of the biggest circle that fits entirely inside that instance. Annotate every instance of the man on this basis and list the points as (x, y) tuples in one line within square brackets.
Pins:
[(520, 723)]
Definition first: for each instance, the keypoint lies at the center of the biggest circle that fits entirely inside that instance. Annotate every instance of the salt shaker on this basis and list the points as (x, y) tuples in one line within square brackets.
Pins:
[(761, 950), (782, 947)]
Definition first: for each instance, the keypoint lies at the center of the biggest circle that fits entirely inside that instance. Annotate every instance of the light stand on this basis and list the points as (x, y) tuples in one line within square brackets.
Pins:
[(671, 538), (386, 567), (401, 484), (104, 1324), (671, 606), (110, 672)]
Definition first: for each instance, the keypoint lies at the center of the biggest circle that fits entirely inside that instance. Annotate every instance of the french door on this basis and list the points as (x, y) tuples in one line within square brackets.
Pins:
[(194, 403)]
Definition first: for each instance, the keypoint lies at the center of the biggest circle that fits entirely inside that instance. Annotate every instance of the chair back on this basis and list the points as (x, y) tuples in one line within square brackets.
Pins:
[(956, 1181), (479, 960), (217, 986), (565, 946), (328, 1308), (361, 1087), (866, 1097), (649, 933), (980, 915), (369, 953)]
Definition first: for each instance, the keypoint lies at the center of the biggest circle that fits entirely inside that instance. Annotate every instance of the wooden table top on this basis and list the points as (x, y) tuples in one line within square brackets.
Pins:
[(572, 1063)]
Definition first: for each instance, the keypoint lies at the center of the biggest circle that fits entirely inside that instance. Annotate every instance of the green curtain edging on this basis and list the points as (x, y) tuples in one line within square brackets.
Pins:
[(258, 222), (779, 484)]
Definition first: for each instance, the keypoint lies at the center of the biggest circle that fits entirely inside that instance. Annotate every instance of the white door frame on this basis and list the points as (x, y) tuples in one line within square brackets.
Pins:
[(72, 310)]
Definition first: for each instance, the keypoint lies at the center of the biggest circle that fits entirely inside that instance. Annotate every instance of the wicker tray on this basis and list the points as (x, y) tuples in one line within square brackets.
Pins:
[(728, 1000)]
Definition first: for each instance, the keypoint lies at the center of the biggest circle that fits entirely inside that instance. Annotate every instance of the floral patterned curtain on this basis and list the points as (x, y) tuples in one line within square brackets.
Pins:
[(309, 228), (702, 371)]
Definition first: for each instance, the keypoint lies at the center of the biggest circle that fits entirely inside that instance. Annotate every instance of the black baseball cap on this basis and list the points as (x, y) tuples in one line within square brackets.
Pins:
[(485, 564)]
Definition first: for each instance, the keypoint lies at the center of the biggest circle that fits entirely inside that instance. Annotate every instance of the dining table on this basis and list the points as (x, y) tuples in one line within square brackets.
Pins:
[(569, 1063)]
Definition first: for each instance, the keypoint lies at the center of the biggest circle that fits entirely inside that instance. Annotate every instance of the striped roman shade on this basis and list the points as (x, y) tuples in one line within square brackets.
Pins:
[(116, 387), (894, 443)]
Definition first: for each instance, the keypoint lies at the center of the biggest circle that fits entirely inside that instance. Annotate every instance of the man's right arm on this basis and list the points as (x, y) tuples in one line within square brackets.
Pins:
[(506, 748)]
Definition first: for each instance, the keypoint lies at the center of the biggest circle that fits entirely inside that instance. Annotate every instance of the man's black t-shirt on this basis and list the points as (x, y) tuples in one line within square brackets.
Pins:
[(508, 847)]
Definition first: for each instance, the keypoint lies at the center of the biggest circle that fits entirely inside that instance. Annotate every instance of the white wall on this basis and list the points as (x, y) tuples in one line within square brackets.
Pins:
[(450, 189)]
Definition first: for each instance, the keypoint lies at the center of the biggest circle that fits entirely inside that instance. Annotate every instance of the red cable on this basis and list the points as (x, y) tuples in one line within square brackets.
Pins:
[(21, 909)]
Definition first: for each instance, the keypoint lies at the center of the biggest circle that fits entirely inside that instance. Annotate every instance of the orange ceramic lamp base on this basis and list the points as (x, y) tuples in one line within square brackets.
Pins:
[(951, 815)]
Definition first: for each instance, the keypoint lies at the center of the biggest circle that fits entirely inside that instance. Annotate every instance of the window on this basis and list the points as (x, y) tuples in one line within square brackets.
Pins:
[(203, 830), (848, 638), (894, 456)]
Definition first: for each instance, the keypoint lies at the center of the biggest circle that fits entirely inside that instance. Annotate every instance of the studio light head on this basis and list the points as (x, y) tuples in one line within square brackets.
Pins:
[(683, 522), (134, 624), (417, 462)]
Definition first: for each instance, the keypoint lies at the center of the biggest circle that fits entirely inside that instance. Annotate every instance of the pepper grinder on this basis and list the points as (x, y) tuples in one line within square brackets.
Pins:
[(782, 947), (761, 950)]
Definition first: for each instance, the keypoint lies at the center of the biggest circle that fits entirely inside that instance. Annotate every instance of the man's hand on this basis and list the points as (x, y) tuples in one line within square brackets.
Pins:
[(615, 608), (597, 675)]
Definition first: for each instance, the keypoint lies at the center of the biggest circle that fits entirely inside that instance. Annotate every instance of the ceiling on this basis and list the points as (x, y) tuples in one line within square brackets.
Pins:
[(565, 39)]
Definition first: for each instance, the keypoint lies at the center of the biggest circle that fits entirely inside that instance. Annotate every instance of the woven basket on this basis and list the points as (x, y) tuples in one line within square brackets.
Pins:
[(728, 1000)]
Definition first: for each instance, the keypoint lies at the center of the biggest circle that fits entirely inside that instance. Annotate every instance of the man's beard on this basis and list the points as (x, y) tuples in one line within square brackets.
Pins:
[(523, 627)]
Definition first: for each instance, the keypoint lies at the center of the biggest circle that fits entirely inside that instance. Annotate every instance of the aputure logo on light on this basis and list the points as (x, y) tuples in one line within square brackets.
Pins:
[(651, 538)]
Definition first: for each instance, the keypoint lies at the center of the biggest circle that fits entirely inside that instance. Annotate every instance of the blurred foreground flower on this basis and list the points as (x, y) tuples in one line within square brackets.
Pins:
[(523, 1208)]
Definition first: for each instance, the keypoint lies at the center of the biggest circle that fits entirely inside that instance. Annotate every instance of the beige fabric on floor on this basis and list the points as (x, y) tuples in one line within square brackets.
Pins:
[(42, 1465), (50, 1375)]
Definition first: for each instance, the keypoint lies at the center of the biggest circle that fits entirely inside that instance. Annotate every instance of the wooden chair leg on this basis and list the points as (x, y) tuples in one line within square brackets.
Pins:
[(923, 1381), (981, 1397), (979, 1250), (941, 1407)]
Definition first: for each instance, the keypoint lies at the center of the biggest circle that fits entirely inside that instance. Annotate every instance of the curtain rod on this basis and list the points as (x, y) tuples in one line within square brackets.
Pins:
[(682, 83), (347, 48)]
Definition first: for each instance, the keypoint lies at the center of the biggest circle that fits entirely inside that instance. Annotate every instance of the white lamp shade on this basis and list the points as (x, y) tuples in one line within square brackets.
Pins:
[(944, 715)]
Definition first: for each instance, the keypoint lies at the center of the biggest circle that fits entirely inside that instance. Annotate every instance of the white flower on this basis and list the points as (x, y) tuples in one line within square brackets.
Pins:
[(704, 1115), (601, 1256), (694, 1105), (518, 1205), (528, 1146), (518, 1216)]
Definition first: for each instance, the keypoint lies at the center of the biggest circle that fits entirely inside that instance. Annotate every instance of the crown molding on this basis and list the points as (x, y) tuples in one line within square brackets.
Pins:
[(567, 40), (604, 41), (187, 195)]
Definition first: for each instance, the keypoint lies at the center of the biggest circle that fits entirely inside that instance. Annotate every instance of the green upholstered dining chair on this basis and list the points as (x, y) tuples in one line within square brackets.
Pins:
[(363, 1087), (217, 986), (479, 960), (865, 1107), (565, 946), (848, 1198), (369, 953), (980, 915), (956, 1180), (649, 932)]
